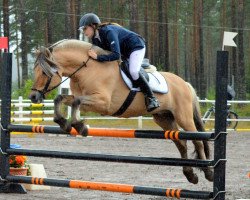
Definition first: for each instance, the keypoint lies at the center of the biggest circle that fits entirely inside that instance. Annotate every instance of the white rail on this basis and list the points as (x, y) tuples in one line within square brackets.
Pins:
[(32, 105), (35, 119), (33, 112), (233, 102)]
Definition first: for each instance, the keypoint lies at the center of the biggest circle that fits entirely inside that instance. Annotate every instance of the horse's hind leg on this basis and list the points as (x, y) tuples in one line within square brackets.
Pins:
[(167, 122), (58, 117), (201, 148)]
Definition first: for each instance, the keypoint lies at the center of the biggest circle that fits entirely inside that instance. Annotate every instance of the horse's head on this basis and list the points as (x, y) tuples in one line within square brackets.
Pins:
[(46, 75)]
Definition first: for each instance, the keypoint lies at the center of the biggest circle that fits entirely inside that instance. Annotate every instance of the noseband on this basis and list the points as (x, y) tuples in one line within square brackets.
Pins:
[(45, 89), (50, 75)]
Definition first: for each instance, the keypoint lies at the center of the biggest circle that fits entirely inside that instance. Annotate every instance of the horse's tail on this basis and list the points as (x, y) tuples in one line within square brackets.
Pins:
[(198, 119)]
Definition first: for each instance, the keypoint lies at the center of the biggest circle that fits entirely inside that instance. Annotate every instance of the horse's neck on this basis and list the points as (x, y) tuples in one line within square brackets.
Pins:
[(94, 72), (69, 60)]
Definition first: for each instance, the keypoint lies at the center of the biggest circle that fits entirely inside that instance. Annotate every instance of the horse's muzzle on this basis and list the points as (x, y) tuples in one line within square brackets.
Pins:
[(36, 97)]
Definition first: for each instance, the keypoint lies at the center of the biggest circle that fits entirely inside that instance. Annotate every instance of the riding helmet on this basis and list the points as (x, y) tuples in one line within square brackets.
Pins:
[(88, 19)]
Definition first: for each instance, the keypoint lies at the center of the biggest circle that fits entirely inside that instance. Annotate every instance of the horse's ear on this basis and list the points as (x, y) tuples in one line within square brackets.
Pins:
[(45, 51), (34, 52), (47, 64), (42, 49)]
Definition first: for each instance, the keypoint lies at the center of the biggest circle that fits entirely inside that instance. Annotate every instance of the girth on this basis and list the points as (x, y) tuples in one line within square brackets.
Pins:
[(132, 93), (126, 103)]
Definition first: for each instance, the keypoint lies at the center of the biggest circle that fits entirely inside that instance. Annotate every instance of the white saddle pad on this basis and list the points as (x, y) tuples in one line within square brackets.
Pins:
[(156, 81)]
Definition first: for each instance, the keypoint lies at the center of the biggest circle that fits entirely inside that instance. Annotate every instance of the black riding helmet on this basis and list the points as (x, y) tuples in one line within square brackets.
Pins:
[(89, 19)]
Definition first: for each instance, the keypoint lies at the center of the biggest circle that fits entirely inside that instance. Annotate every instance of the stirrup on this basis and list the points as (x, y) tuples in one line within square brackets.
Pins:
[(151, 103)]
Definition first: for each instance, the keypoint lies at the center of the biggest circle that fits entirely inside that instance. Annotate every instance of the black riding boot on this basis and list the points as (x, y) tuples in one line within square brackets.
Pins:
[(150, 100)]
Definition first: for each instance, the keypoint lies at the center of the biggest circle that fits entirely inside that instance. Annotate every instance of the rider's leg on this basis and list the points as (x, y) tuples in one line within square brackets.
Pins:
[(150, 100), (135, 61)]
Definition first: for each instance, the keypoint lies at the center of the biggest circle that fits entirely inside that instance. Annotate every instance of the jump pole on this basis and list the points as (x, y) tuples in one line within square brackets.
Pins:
[(113, 158), (124, 133), (112, 187)]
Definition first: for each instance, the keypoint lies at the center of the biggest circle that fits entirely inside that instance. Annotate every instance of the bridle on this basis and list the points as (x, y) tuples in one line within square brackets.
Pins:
[(51, 73)]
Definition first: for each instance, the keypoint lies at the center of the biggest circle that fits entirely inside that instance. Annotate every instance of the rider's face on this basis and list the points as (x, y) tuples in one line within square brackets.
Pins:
[(88, 31)]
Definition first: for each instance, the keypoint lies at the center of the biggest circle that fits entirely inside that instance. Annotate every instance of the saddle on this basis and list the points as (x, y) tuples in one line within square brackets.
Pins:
[(125, 69), (156, 81)]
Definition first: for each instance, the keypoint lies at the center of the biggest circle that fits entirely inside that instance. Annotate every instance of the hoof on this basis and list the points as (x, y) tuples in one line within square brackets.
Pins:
[(63, 123), (209, 175), (191, 177), (80, 127), (194, 179)]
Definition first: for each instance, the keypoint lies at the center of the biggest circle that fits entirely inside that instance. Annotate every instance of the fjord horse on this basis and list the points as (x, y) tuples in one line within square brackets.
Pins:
[(98, 87)]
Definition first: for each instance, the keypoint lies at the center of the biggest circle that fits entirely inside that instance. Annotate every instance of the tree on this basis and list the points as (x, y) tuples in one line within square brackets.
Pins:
[(145, 35), (195, 57), (175, 36), (241, 85), (153, 33), (78, 16), (166, 44), (17, 54), (202, 78), (133, 15), (71, 24), (186, 34), (161, 37), (48, 23), (6, 29), (24, 39), (233, 67)]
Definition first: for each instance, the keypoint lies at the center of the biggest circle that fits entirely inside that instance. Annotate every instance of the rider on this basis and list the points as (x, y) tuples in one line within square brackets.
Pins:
[(123, 44)]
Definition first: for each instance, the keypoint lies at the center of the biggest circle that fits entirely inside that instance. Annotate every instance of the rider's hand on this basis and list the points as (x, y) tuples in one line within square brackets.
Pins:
[(92, 54)]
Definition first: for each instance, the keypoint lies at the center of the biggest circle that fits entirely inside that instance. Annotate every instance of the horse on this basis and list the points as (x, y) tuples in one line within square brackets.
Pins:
[(98, 87)]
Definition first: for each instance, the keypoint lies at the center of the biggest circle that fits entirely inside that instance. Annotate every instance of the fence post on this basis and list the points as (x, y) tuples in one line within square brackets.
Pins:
[(220, 125), (20, 101), (5, 121), (140, 122)]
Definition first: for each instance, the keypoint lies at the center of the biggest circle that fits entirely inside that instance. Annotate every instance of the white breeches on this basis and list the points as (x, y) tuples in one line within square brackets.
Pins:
[(135, 61)]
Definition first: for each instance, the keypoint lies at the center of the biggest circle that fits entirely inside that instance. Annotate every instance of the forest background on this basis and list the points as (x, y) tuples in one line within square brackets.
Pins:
[(182, 36)]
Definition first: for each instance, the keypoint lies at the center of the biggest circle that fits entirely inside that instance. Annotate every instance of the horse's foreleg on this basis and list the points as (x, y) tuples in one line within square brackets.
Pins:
[(58, 117), (97, 102), (76, 122)]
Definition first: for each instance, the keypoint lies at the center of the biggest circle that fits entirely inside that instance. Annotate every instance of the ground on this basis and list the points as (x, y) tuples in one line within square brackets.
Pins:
[(238, 166)]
